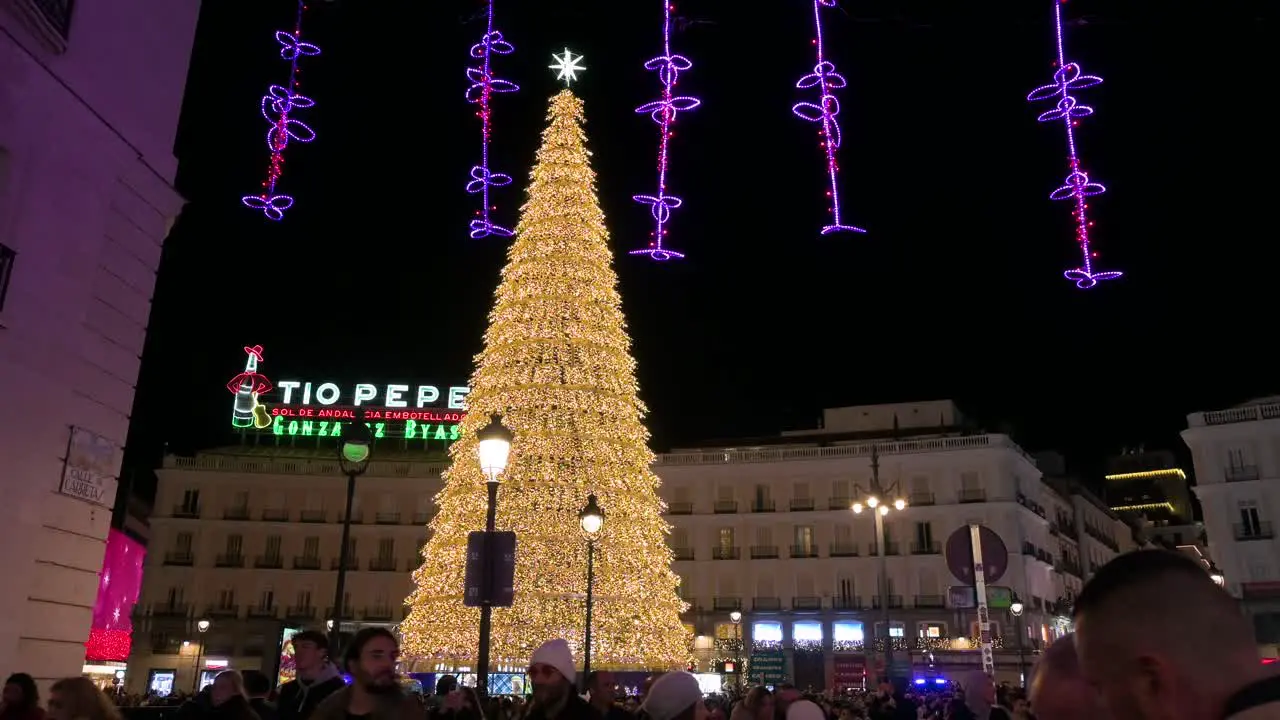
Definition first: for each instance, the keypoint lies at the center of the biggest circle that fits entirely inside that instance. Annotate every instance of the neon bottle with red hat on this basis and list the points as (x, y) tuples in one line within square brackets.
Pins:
[(247, 386)]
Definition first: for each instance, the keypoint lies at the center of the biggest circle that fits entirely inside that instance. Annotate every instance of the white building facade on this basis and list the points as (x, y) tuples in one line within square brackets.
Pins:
[(248, 538), (766, 534), (1236, 455), (89, 100)]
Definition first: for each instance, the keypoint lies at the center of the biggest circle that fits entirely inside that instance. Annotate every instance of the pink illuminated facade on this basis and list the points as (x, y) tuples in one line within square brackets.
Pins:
[(110, 636), (89, 100)]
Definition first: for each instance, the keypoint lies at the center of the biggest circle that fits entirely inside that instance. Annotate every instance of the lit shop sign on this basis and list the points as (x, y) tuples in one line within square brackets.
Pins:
[(298, 408)]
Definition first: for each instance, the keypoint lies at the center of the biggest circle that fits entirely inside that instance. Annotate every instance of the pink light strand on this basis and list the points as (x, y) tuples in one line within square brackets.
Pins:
[(480, 92), (825, 78), (1077, 187), (664, 112)]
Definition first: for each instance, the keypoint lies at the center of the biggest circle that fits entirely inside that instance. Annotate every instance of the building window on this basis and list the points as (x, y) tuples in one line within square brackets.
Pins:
[(930, 630), (7, 257)]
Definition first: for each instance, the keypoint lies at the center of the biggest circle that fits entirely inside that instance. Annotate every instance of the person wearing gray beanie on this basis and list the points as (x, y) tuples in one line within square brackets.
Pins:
[(552, 673)]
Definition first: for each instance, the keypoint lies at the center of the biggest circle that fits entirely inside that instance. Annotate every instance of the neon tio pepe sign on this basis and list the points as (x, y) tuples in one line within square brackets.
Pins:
[(311, 409)]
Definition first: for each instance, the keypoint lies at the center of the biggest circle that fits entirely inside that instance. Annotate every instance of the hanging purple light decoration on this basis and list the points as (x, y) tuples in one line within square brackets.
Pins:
[(1077, 187), (480, 92), (664, 112), (277, 108), (825, 78)]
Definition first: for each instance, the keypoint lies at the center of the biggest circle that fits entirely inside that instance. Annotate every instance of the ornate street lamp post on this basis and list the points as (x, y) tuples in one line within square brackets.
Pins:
[(592, 519), (354, 452), (876, 498), (494, 449)]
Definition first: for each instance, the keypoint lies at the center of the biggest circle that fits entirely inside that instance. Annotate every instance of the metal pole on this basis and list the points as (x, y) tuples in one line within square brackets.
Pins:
[(884, 592), (591, 578), (340, 589), (195, 682), (486, 609), (1022, 676)]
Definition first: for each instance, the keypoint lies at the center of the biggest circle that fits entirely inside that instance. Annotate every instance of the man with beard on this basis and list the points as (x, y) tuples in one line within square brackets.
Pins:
[(552, 673), (375, 692), (1159, 639)]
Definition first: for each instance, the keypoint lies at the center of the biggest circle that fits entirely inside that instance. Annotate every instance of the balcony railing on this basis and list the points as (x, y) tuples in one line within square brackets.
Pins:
[(853, 450), (229, 560), (843, 549), (378, 614), (228, 610), (268, 562), (839, 503), (186, 511), (174, 609), (764, 552), (179, 557), (766, 604), (930, 601), (801, 504), (300, 612), (240, 513), (921, 498), (382, 565), (1241, 473), (763, 506), (806, 603), (421, 518), (973, 495), (725, 553), (386, 518), (357, 517), (1253, 531), (263, 611), (313, 516), (726, 603), (680, 508), (348, 613), (306, 562), (352, 564), (724, 507), (890, 548), (895, 602), (931, 547), (683, 553), (277, 515), (804, 551), (846, 603)]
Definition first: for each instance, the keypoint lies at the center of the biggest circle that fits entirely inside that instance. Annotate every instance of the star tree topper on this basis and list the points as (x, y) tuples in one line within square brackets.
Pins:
[(567, 66)]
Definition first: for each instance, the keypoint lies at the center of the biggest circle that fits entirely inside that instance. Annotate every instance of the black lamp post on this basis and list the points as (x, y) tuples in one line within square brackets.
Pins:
[(877, 500), (494, 449), (592, 519), (202, 627), (354, 451), (1015, 608)]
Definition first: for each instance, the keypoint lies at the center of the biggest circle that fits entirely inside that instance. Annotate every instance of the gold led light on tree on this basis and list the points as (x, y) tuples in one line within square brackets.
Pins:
[(557, 366)]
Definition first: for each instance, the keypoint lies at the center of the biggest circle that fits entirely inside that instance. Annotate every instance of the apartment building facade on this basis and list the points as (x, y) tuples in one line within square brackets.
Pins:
[(89, 100), (1236, 457), (249, 539)]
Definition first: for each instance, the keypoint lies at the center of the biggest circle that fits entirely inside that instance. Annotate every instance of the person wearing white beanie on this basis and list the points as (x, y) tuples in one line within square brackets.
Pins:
[(805, 710), (552, 673), (675, 696)]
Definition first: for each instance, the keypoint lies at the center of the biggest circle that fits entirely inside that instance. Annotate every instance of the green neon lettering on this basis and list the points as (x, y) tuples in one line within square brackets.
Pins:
[(307, 427), (293, 427), (324, 428), (277, 426), (378, 429), (409, 427), (440, 433), (453, 431)]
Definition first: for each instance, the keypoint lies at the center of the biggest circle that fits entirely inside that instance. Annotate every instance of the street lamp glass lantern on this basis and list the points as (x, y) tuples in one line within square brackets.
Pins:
[(857, 508), (736, 617), (357, 444), (884, 509), (1217, 577), (900, 504), (873, 501), (1016, 607), (494, 448), (592, 517), (202, 625)]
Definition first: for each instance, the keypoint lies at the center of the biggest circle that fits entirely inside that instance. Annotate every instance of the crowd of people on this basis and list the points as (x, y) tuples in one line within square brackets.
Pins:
[(1155, 639)]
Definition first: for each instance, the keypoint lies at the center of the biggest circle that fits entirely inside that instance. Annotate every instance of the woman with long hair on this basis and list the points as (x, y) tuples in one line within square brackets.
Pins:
[(21, 699)]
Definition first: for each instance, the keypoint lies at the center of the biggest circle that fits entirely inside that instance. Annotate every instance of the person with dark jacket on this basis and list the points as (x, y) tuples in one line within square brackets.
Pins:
[(317, 677), (552, 673), (257, 686), (375, 692)]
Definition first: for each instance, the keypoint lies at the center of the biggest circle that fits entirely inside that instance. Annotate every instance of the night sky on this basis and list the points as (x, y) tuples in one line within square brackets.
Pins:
[(955, 291)]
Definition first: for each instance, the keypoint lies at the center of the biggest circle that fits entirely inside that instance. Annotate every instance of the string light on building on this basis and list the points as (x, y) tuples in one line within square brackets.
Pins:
[(664, 112), (826, 80), (277, 109), (1078, 186), (480, 93)]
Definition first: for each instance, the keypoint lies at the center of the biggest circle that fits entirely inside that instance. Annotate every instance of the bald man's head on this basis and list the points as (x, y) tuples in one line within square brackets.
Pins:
[(1159, 639), (1058, 690)]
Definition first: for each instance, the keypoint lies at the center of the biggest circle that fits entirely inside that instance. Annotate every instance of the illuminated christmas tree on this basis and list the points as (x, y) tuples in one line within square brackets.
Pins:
[(557, 366)]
